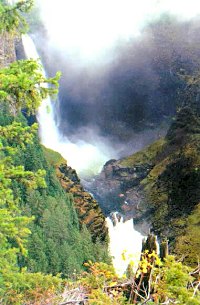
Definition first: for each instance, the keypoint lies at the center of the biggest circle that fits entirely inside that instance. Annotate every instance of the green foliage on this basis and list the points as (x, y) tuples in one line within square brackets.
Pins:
[(171, 186), (31, 197), (13, 225), (57, 244), (147, 155), (175, 284), (23, 85), (188, 243), (99, 278), (187, 123), (17, 135), (53, 157), (15, 286), (27, 288), (11, 16), (153, 282)]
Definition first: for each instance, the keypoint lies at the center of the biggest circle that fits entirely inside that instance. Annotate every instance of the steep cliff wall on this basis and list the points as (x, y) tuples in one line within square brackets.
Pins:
[(160, 186), (88, 210)]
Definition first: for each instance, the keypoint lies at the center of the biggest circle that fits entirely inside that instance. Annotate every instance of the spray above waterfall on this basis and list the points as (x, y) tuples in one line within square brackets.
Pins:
[(111, 97), (80, 155), (109, 86), (88, 29)]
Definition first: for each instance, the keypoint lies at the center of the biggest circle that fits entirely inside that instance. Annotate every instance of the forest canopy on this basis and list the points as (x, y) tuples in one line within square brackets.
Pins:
[(43, 247)]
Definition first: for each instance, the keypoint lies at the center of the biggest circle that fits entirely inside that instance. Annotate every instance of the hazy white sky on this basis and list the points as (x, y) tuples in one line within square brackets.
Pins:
[(90, 26)]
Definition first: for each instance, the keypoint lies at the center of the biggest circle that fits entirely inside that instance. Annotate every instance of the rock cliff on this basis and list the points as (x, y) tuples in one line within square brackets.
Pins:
[(7, 49), (159, 187), (88, 210)]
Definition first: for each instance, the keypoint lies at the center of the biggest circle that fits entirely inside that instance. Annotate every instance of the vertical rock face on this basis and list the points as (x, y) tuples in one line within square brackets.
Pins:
[(117, 187), (89, 212), (7, 49)]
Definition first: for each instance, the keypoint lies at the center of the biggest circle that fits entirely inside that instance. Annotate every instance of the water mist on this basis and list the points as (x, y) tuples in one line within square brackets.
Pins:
[(84, 157), (85, 32)]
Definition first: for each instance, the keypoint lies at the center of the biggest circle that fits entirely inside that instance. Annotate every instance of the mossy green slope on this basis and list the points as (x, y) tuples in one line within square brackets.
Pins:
[(172, 186), (59, 242), (87, 208)]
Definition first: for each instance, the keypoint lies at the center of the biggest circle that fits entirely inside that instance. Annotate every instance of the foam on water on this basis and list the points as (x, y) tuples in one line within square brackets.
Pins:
[(125, 243)]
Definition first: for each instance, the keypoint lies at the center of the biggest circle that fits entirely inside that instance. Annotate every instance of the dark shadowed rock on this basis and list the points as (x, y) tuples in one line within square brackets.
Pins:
[(159, 187)]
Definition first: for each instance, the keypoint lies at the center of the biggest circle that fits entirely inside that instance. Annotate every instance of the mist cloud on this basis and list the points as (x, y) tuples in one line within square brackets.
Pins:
[(119, 62), (88, 29)]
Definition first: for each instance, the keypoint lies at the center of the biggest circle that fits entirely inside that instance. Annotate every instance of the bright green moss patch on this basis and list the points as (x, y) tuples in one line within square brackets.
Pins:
[(53, 157), (189, 242), (155, 173), (147, 155)]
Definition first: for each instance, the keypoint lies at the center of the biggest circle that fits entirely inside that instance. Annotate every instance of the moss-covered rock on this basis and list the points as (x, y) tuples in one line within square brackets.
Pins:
[(188, 243), (160, 184), (146, 156)]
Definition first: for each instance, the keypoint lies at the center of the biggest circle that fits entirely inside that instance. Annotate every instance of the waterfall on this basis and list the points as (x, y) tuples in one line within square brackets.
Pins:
[(125, 243), (48, 130), (86, 158)]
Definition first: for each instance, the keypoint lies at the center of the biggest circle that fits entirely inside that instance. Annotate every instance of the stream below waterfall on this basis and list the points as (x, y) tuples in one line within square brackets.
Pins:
[(125, 241)]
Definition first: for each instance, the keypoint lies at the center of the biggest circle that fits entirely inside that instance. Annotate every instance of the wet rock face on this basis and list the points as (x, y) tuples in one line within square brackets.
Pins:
[(117, 188), (89, 212)]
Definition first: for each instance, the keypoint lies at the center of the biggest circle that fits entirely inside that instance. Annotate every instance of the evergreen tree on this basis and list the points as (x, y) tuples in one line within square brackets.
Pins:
[(11, 16)]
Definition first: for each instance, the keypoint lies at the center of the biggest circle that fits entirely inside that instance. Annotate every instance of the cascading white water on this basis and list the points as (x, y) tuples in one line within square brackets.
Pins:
[(47, 128), (125, 243), (82, 156)]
